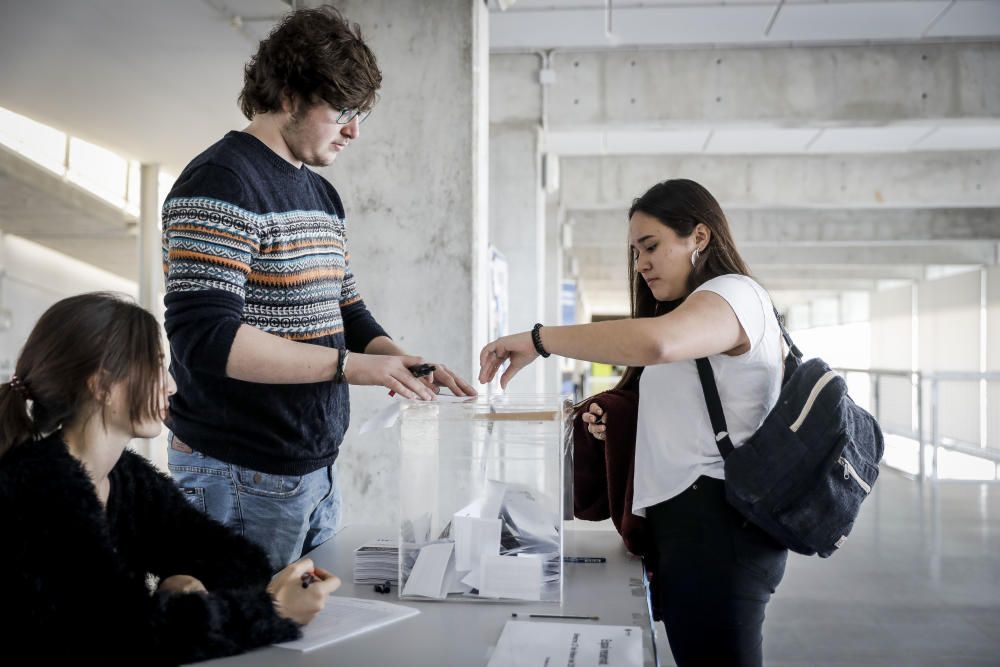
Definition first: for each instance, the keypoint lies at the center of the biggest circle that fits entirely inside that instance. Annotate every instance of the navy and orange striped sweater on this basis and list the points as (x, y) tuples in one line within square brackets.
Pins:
[(250, 239)]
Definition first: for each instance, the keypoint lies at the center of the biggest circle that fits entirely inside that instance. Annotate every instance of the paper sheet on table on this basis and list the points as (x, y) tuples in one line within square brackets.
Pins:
[(530, 644), (427, 578), (346, 617), (473, 537), (510, 577)]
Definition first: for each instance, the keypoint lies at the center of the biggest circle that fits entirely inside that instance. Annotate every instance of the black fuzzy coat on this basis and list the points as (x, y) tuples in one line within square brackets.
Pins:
[(73, 576)]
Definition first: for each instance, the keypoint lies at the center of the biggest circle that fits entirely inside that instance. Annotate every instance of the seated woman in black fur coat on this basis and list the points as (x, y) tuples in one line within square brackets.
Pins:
[(102, 556)]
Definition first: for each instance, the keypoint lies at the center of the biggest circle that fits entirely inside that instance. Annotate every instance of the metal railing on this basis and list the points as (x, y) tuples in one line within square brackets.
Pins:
[(932, 380)]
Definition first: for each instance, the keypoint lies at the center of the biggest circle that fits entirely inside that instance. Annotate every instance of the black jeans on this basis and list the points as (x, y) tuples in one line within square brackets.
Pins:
[(713, 574)]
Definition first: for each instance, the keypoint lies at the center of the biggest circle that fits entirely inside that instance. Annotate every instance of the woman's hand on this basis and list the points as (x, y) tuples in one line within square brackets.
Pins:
[(298, 603), (594, 418), (181, 583), (519, 349)]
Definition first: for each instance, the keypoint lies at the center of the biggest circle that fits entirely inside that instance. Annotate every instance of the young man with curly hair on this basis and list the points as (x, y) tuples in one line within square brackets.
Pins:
[(266, 324)]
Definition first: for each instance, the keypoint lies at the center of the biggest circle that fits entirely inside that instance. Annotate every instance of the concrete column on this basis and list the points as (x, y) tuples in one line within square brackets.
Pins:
[(414, 185), (150, 251), (151, 282), (517, 229)]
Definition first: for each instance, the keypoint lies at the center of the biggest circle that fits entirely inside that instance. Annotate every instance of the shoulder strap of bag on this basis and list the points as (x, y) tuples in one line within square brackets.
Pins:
[(792, 347), (714, 403)]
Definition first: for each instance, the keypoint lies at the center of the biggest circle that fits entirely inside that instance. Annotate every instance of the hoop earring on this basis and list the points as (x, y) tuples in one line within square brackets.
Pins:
[(694, 257)]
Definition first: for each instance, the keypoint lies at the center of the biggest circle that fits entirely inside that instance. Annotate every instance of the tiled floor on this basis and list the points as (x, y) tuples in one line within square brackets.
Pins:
[(917, 583)]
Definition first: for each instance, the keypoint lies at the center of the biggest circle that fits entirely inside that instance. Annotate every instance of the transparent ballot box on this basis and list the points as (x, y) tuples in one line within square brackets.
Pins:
[(481, 497)]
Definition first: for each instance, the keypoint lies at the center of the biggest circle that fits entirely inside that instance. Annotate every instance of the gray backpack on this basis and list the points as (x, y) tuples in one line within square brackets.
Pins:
[(801, 477)]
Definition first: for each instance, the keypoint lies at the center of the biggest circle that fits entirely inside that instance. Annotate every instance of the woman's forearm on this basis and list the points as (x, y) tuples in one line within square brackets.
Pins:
[(627, 342)]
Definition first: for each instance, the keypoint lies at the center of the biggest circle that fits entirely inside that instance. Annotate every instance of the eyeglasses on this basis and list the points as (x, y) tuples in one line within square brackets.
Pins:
[(347, 115)]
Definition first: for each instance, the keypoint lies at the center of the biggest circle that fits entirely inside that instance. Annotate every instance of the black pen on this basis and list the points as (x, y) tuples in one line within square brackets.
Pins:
[(584, 559), (418, 371), (570, 616)]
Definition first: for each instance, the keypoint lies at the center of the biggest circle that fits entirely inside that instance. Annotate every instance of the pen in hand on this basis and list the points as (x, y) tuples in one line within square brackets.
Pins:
[(418, 371), (309, 578)]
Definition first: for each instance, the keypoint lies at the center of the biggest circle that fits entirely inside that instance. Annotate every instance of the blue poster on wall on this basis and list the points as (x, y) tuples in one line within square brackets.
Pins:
[(567, 315), (567, 302)]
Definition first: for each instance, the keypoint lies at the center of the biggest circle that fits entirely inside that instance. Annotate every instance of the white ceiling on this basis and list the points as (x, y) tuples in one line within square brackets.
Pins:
[(157, 81), (153, 81), (595, 24)]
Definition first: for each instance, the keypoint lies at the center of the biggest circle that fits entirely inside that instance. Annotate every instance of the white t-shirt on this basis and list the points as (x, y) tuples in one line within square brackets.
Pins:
[(675, 444)]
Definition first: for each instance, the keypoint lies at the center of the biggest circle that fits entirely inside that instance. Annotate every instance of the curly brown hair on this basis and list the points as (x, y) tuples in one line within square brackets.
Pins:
[(313, 55)]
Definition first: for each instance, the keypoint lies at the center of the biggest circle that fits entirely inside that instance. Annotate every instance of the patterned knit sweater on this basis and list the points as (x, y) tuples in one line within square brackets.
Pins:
[(250, 239)]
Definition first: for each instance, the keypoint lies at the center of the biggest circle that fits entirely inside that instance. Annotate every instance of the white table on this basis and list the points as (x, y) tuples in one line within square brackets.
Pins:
[(463, 633)]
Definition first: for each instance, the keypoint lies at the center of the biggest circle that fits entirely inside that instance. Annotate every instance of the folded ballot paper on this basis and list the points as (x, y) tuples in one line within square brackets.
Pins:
[(504, 545)]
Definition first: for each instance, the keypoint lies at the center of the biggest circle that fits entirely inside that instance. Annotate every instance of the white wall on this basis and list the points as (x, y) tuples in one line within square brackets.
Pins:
[(949, 335), (993, 355), (892, 341)]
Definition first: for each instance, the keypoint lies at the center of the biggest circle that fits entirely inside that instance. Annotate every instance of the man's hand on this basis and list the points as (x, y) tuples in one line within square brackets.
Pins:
[(444, 377), (391, 372)]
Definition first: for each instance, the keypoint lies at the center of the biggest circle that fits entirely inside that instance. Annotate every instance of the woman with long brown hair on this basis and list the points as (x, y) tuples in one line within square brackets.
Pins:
[(103, 557), (692, 297)]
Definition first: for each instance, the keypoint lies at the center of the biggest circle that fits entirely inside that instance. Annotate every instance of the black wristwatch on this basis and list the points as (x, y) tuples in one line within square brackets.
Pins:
[(536, 338)]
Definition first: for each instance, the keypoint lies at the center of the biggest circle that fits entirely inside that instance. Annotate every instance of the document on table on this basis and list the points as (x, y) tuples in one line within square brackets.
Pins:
[(346, 617), (530, 644)]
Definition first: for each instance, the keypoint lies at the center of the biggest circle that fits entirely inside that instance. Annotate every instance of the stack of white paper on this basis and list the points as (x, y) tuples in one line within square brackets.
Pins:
[(377, 561)]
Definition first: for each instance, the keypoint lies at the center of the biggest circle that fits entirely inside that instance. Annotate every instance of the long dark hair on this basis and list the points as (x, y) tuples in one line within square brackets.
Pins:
[(99, 335), (681, 205)]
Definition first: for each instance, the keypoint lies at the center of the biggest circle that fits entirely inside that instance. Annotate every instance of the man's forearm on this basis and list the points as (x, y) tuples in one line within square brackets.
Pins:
[(257, 356), (383, 345)]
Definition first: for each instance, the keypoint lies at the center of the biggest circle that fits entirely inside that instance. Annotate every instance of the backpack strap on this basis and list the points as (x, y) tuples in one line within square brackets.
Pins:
[(711, 391), (792, 347), (714, 404)]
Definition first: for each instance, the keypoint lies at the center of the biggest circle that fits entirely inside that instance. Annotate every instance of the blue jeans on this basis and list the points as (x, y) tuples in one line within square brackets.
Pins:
[(287, 515)]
